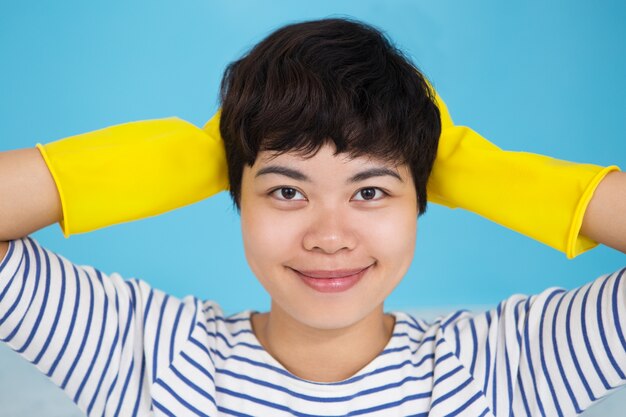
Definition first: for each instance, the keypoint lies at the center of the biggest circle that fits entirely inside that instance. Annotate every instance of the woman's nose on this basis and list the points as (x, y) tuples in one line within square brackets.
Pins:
[(329, 232)]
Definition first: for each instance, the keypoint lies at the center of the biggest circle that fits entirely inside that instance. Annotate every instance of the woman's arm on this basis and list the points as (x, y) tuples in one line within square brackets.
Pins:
[(82, 181), (29, 200), (605, 217)]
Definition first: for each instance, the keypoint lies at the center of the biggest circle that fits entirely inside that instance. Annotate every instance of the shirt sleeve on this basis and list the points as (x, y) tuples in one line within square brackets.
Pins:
[(551, 354), (100, 338)]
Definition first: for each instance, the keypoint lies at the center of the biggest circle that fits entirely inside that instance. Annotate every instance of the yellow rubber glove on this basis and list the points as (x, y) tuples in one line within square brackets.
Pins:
[(538, 196), (134, 170)]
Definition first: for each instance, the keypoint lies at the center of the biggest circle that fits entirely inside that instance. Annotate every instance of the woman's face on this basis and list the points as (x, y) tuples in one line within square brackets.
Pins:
[(305, 220)]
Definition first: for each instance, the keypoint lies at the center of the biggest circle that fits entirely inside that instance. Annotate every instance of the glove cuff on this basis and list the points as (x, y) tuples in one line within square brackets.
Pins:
[(577, 243)]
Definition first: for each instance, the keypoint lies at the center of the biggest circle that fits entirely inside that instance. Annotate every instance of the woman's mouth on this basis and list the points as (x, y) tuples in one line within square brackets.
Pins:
[(332, 281)]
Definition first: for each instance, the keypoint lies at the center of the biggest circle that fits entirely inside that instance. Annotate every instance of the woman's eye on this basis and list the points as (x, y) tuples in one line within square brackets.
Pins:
[(370, 193), (291, 194), (286, 193)]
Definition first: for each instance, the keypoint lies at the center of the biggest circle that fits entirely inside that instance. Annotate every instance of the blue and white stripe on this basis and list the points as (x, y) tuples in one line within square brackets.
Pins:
[(120, 347)]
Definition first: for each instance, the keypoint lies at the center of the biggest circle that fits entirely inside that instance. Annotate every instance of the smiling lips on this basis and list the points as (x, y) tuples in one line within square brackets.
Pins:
[(339, 273), (332, 281)]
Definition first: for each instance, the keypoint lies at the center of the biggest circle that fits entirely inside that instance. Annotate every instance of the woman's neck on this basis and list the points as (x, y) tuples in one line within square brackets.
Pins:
[(322, 355)]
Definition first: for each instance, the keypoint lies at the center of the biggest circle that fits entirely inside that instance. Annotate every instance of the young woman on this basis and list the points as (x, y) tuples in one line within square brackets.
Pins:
[(332, 145)]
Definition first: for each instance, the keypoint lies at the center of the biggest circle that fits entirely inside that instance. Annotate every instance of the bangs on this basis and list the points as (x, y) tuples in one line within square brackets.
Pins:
[(304, 137), (296, 111)]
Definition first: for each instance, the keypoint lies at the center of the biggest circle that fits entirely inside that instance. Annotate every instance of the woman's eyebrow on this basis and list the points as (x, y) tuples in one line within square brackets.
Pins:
[(299, 176)]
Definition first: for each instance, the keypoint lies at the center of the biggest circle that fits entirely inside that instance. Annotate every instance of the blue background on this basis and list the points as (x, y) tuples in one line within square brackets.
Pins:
[(535, 77)]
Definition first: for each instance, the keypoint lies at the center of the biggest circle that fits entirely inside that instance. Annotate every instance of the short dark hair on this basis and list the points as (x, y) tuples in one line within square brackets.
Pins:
[(336, 81)]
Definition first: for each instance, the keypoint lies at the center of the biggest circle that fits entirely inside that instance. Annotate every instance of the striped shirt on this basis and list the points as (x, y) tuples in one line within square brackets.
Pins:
[(121, 347)]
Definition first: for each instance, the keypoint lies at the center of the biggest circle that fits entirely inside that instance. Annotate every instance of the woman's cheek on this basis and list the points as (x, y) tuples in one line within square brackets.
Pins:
[(271, 233), (392, 234)]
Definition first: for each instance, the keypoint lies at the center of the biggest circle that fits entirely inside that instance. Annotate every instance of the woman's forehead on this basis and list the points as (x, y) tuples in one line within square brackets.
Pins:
[(325, 154), (325, 163)]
